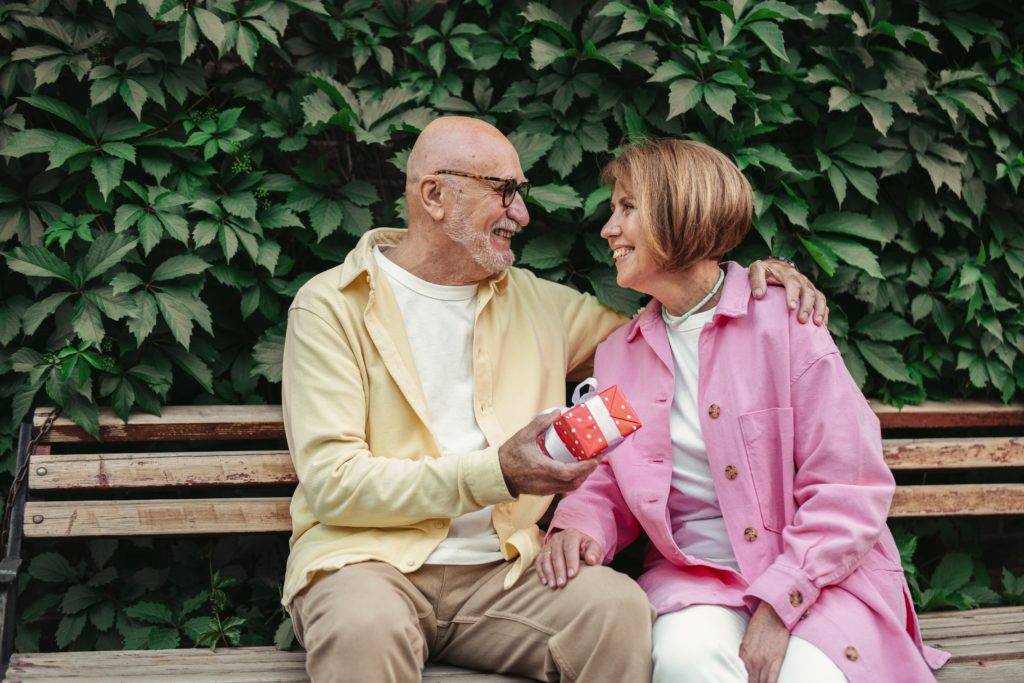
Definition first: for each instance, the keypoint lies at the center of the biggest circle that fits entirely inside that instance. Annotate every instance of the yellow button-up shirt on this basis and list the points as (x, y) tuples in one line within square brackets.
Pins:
[(372, 484)]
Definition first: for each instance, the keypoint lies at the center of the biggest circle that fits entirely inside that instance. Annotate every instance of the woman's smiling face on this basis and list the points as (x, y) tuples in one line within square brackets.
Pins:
[(635, 261)]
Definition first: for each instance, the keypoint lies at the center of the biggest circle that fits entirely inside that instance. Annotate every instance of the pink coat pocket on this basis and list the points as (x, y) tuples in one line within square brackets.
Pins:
[(768, 442)]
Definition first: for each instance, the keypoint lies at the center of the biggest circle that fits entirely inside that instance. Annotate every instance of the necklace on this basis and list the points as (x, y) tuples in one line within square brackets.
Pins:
[(678, 319)]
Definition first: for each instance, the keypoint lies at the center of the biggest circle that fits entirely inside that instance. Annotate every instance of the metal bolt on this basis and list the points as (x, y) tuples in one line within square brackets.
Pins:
[(37, 519), (41, 471)]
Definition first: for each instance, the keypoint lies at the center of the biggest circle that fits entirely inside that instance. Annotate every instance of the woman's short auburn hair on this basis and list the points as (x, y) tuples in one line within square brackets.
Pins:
[(693, 202)]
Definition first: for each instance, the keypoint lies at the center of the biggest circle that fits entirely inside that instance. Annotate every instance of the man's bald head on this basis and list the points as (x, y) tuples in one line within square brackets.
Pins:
[(462, 220), (464, 144)]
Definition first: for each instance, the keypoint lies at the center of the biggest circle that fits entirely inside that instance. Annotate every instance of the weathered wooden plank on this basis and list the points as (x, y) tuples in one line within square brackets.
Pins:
[(922, 454), (1012, 614), (240, 468), (225, 665), (957, 500), (58, 519), (1001, 646), (146, 470), (263, 421), (940, 414), (176, 423), (997, 671)]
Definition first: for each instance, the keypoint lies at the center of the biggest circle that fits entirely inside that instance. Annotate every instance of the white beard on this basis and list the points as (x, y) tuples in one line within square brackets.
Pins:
[(478, 244)]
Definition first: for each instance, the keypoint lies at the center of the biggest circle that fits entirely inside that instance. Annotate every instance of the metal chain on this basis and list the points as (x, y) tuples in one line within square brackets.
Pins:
[(19, 476)]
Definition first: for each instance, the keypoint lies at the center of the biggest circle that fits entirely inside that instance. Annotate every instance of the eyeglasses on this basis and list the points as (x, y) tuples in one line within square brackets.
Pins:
[(509, 186)]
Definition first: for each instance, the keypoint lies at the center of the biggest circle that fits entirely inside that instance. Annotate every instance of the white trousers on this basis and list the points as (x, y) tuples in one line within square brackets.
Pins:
[(702, 644)]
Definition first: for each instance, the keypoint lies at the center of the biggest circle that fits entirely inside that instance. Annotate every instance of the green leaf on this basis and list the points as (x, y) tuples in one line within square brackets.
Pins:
[(821, 253), (86, 321), (720, 99), (885, 326), (953, 573), (52, 568), (548, 251), (104, 253), (543, 53), (855, 254), (770, 34), (683, 95), (108, 172), (554, 197), (211, 26), (39, 262), (163, 638), (69, 628), (881, 114), (284, 636), (151, 613), (885, 359), (78, 598), (603, 280), (179, 266), (267, 356), (847, 223)]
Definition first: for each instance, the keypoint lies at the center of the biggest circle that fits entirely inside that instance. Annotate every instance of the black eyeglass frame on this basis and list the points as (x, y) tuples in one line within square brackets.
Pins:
[(509, 186)]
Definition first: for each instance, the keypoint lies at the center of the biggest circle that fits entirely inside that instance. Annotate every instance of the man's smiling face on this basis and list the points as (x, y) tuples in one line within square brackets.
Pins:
[(477, 221)]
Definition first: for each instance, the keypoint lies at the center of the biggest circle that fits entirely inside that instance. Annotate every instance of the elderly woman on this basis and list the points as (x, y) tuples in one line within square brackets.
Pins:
[(758, 475)]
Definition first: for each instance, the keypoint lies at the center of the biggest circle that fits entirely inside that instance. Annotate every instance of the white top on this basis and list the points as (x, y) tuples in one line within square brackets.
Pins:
[(439, 322), (697, 524)]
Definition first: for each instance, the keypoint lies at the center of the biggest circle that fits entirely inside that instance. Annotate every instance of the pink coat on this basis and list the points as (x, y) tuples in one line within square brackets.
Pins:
[(796, 456)]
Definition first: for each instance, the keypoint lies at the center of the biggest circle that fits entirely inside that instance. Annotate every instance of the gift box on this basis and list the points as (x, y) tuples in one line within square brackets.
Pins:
[(596, 422)]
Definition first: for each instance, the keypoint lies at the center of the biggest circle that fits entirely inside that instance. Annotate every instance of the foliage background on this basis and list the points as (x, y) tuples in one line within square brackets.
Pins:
[(172, 172)]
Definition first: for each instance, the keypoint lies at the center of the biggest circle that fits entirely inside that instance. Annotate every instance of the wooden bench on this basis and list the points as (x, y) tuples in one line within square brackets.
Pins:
[(987, 644)]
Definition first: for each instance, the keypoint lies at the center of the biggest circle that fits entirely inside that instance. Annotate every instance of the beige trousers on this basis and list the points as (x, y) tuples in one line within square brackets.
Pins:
[(369, 623)]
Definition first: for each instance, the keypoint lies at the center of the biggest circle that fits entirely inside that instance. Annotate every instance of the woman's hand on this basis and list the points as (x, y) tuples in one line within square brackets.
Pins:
[(799, 290), (559, 560), (764, 645)]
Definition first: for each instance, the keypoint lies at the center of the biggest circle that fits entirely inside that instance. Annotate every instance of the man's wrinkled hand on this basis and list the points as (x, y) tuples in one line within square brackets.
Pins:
[(528, 470), (800, 292)]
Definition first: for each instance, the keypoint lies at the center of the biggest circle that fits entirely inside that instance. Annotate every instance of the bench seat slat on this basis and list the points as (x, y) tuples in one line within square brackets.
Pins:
[(60, 519), (978, 659), (148, 470), (226, 665), (954, 500)]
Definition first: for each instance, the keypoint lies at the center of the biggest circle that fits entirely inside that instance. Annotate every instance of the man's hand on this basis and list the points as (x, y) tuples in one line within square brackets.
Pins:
[(764, 645), (799, 290), (559, 561), (528, 470)]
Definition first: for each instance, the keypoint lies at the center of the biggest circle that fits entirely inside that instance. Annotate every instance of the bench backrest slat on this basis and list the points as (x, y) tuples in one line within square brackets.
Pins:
[(160, 470), (927, 454), (942, 500), (50, 519), (950, 415), (175, 423)]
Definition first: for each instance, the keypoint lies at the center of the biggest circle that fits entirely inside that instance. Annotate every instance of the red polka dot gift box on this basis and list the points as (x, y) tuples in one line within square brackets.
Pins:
[(596, 422)]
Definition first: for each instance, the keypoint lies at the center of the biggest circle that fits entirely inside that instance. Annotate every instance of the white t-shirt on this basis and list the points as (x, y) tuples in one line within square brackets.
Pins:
[(439, 322), (697, 524)]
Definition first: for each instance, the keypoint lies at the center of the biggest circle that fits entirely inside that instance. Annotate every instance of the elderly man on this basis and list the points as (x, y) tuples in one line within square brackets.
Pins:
[(408, 370)]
